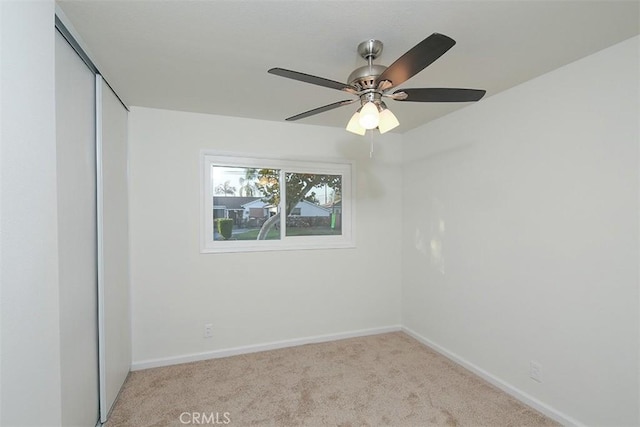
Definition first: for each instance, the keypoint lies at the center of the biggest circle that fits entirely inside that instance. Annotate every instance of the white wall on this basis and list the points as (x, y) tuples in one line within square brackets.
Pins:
[(29, 307), (252, 298), (521, 236)]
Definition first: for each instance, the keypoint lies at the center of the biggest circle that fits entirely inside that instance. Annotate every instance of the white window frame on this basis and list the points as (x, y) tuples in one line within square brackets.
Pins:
[(325, 167)]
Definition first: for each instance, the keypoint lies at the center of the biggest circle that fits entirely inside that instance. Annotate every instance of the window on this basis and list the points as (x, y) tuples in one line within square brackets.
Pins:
[(254, 204)]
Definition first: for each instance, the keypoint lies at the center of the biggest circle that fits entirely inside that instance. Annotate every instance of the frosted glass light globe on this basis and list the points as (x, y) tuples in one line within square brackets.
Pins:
[(369, 116)]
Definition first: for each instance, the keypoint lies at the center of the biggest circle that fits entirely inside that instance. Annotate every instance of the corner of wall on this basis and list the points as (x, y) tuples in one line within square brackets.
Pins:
[(30, 349)]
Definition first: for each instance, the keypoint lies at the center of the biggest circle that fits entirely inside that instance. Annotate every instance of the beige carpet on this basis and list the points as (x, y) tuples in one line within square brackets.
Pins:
[(389, 379)]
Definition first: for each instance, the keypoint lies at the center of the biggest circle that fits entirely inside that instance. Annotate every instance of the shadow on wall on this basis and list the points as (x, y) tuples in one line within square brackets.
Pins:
[(429, 238)]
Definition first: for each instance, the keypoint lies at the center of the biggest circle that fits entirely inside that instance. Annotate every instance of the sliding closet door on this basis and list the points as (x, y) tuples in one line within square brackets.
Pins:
[(77, 236), (113, 244)]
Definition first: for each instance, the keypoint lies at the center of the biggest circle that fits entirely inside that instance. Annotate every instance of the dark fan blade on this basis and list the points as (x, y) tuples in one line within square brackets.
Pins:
[(441, 95), (308, 78), (321, 109), (417, 59)]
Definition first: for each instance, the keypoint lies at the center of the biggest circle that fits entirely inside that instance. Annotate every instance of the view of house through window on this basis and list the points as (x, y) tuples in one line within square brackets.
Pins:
[(248, 203)]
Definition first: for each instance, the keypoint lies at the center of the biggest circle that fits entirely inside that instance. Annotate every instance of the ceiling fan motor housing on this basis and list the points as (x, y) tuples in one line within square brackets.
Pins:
[(365, 77)]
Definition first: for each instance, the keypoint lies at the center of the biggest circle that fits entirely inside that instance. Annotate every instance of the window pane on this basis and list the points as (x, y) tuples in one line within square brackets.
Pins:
[(314, 204), (245, 204), (244, 200)]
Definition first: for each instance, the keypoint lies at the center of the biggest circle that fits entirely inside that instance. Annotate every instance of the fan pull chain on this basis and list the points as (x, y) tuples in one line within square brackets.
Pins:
[(371, 149)]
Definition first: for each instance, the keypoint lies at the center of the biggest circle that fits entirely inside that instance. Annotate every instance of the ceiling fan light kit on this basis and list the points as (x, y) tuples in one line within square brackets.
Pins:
[(372, 82), (385, 120), (388, 120), (354, 124)]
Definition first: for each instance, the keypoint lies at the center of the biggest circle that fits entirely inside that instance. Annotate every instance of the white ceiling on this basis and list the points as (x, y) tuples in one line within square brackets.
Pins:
[(213, 56)]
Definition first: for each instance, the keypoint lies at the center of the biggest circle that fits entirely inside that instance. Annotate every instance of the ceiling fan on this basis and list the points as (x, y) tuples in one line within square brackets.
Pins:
[(371, 83)]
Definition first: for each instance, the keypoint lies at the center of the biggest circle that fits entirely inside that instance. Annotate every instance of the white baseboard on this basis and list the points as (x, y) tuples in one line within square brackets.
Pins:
[(502, 385), (167, 361)]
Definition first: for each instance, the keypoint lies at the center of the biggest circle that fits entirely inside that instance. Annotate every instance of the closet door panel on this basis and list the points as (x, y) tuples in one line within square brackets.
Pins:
[(113, 243), (77, 236)]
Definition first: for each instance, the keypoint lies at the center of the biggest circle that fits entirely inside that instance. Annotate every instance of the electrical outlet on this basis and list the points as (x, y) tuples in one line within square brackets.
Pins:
[(208, 330), (535, 371)]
